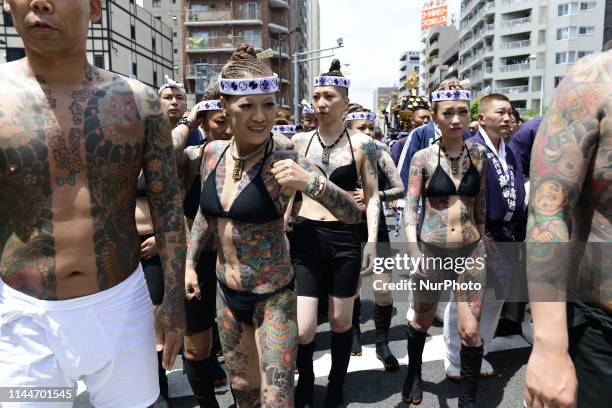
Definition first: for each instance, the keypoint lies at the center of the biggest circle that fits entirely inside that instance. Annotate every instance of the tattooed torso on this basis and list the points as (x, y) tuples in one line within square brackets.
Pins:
[(446, 219), (252, 257), (69, 161), (363, 150), (572, 174)]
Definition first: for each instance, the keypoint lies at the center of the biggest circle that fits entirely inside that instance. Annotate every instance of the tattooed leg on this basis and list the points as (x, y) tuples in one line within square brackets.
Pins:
[(240, 354), (469, 302), (277, 340)]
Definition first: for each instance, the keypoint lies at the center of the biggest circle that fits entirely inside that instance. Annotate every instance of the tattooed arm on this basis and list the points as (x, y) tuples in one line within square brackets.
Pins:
[(298, 176), (166, 205), (201, 234), (561, 156), (369, 179), (388, 168), (413, 197)]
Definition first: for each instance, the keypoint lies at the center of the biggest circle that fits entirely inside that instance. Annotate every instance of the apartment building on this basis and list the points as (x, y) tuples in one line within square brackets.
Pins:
[(170, 13), (313, 43), (214, 28), (439, 57), (409, 62), (127, 40), (523, 48)]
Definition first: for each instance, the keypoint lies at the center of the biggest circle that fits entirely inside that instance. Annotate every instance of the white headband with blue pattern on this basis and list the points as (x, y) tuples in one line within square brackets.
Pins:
[(249, 86), (451, 95), (171, 83), (213, 105), (325, 80), (360, 116), (284, 129), (308, 109)]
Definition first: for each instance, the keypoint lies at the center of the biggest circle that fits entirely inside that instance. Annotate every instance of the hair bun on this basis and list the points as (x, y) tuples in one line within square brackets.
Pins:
[(335, 65), (244, 52)]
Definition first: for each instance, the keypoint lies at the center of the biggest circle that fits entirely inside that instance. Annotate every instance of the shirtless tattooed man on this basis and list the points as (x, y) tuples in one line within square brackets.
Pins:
[(73, 138)]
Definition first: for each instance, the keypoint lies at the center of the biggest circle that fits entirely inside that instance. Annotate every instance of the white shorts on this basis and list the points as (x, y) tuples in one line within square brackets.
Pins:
[(105, 339)]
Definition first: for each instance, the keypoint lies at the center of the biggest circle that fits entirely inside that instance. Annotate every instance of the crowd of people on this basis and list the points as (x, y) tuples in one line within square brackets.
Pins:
[(244, 222)]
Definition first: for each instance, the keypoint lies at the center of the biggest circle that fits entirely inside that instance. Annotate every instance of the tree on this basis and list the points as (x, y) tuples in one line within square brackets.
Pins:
[(474, 109)]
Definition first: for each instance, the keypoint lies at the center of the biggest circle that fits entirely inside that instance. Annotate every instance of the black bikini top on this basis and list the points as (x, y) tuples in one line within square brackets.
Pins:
[(252, 205), (344, 177), (141, 186), (441, 185)]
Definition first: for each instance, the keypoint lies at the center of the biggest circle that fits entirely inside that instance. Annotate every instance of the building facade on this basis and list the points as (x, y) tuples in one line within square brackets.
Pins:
[(170, 12), (523, 48), (214, 28), (439, 56), (409, 61), (313, 43), (127, 40)]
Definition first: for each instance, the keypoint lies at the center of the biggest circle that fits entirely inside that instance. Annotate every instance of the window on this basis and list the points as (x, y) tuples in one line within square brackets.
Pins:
[(587, 5), (156, 3), (155, 77), (133, 31), (99, 61), (8, 19), (566, 33), (153, 44), (558, 80), (565, 57), (590, 30), (583, 53), (566, 9), (134, 70)]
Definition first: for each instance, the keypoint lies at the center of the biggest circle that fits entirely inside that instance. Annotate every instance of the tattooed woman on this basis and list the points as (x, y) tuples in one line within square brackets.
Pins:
[(73, 138), (247, 184), (453, 228), (326, 253), (390, 187)]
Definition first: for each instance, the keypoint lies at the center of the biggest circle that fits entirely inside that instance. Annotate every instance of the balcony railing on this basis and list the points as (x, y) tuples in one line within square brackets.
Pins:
[(513, 89), (525, 66), (515, 44), (203, 70), (281, 46), (511, 2), (206, 43), (194, 16), (516, 22)]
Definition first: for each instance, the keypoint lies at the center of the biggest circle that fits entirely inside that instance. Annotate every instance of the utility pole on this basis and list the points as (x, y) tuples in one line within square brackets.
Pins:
[(301, 57)]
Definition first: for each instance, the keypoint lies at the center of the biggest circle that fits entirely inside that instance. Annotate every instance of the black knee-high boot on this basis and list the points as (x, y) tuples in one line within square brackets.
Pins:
[(412, 393), (305, 385), (356, 346), (341, 354), (161, 374), (471, 360), (382, 322), (200, 376)]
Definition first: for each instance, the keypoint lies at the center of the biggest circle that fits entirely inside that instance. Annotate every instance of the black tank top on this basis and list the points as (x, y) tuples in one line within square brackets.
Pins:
[(344, 177), (252, 205), (441, 185)]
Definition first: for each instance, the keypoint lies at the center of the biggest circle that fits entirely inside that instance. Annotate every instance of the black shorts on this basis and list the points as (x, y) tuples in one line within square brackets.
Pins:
[(590, 346), (200, 313), (326, 258)]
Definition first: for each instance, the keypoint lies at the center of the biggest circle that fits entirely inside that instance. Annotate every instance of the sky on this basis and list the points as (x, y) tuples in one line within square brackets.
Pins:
[(376, 33)]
